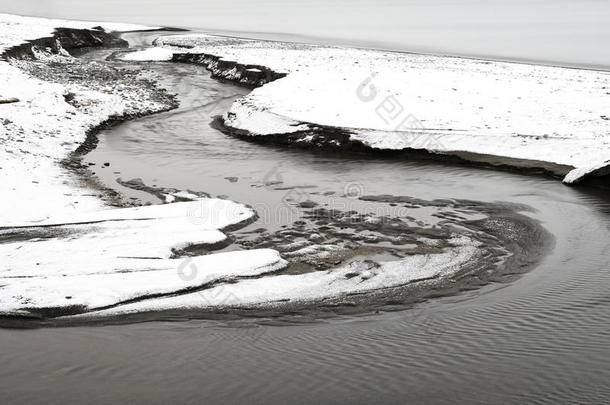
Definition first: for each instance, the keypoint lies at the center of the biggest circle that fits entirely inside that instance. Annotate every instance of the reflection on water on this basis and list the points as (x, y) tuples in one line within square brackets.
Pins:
[(562, 31)]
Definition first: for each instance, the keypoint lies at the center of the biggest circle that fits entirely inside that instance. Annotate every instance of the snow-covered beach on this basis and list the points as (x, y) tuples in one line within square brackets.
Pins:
[(128, 259)]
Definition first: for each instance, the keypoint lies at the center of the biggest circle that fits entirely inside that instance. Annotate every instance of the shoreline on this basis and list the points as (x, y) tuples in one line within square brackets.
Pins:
[(338, 138), (341, 42), (340, 143), (236, 72), (270, 113)]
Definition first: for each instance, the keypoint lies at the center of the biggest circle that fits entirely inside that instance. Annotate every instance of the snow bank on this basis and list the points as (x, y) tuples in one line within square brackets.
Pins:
[(111, 256), (160, 277), (537, 116), (354, 278)]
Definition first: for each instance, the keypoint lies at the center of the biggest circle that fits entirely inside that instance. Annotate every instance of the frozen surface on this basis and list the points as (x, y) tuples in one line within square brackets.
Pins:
[(542, 116)]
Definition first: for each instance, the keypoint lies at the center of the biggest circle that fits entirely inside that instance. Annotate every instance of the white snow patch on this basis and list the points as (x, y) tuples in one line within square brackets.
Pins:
[(578, 174), (149, 55), (110, 256), (157, 277), (357, 277)]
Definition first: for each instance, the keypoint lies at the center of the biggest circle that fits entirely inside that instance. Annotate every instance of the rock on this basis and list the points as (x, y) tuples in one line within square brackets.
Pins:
[(316, 237), (308, 204)]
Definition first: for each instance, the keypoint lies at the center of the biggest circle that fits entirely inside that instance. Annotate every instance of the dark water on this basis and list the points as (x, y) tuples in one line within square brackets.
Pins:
[(543, 338)]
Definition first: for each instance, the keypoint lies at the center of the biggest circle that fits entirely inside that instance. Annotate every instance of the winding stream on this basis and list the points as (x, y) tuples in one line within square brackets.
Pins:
[(540, 336)]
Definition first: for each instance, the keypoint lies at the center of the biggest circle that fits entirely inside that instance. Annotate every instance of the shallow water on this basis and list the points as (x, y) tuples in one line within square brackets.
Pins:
[(542, 338)]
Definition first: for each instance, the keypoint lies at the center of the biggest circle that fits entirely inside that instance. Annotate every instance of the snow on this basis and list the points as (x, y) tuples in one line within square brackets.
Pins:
[(63, 249), (153, 277), (121, 233), (535, 115), (19, 29), (41, 129), (149, 55), (61, 246), (353, 278), (104, 258), (576, 175)]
